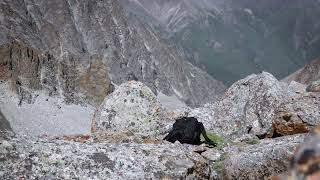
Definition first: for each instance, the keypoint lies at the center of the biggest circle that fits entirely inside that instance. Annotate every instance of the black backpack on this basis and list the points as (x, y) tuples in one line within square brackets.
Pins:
[(188, 130)]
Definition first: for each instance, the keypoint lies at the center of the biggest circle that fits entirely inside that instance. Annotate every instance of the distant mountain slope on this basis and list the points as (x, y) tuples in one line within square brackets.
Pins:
[(233, 38), (307, 74), (75, 33)]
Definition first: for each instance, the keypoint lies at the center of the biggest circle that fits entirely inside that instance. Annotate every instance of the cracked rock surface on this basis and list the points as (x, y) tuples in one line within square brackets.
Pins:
[(50, 159)]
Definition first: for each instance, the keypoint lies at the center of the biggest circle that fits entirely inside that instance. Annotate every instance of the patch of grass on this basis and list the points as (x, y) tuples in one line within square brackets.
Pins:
[(220, 141), (252, 141), (218, 166)]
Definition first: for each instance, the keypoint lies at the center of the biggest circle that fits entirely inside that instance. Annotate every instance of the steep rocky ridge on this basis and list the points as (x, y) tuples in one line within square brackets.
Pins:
[(85, 29)]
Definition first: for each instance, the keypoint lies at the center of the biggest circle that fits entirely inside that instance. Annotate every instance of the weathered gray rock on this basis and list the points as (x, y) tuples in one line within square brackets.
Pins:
[(314, 86), (296, 88), (58, 159), (269, 157), (301, 114), (247, 107), (257, 105), (131, 108)]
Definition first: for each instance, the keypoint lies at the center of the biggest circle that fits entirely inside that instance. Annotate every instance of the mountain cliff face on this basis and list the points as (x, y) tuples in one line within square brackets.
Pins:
[(231, 39), (95, 41)]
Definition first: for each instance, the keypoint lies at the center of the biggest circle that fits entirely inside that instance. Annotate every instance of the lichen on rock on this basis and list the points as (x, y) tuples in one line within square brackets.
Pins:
[(34, 158), (132, 109), (261, 105)]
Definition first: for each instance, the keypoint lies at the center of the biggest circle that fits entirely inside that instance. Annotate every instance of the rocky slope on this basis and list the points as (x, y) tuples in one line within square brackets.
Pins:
[(63, 63), (57, 66), (96, 38), (306, 75), (127, 131), (231, 39)]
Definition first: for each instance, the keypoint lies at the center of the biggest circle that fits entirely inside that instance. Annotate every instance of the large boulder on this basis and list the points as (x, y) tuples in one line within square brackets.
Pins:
[(260, 161), (299, 115), (261, 105), (58, 159), (131, 109), (247, 106)]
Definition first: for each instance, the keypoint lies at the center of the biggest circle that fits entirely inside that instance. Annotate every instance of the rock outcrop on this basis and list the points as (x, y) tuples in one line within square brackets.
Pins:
[(262, 106), (260, 161), (131, 109), (307, 74), (314, 86), (57, 159)]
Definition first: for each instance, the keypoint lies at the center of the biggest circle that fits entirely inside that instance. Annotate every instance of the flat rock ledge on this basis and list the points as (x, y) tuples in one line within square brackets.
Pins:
[(26, 158)]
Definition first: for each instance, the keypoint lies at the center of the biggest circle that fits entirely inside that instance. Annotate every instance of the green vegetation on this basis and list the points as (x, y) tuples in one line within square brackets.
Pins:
[(218, 166), (220, 141), (252, 141)]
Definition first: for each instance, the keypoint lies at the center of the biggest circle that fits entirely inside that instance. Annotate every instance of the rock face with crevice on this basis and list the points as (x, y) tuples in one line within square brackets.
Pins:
[(29, 70)]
